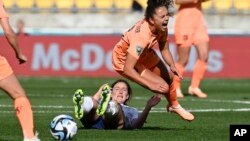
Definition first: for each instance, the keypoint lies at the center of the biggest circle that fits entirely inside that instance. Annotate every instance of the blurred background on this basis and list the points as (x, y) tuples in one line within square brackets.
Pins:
[(76, 37), (114, 16)]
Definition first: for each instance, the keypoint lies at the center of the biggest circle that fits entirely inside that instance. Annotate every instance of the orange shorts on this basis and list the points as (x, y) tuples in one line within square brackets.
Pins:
[(147, 61), (190, 31), (186, 37), (5, 69)]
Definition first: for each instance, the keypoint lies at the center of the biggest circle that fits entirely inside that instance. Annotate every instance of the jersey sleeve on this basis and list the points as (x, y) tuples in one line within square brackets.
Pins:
[(138, 42)]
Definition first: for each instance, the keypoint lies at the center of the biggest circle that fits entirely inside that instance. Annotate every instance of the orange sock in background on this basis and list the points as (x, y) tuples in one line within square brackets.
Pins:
[(25, 116), (176, 80), (172, 98), (198, 74)]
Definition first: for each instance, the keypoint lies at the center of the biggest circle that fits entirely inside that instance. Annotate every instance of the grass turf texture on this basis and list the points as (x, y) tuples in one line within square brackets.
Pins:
[(228, 103)]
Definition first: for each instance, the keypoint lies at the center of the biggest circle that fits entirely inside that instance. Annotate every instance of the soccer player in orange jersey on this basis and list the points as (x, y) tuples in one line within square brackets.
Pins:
[(10, 84), (191, 30), (134, 57)]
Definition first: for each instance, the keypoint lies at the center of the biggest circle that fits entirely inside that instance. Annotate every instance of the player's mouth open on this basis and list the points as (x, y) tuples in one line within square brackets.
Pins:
[(165, 25)]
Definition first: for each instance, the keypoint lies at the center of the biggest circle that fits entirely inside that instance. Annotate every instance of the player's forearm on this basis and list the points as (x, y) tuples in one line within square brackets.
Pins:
[(96, 96), (11, 38), (139, 122), (167, 57)]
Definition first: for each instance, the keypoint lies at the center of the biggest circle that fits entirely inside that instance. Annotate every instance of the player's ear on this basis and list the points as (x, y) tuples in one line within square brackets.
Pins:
[(127, 97), (151, 20)]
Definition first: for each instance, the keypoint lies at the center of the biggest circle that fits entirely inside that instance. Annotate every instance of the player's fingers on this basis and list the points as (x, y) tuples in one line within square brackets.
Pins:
[(181, 77), (21, 61)]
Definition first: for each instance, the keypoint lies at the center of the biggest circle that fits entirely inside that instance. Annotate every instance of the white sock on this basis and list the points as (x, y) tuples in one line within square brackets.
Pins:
[(87, 104)]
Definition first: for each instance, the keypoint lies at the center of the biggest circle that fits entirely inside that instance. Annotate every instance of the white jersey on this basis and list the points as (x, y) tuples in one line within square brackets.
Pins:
[(130, 114)]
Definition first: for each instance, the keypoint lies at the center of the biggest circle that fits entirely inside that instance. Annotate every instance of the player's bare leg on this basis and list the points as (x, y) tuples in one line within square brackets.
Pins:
[(199, 70), (161, 74)]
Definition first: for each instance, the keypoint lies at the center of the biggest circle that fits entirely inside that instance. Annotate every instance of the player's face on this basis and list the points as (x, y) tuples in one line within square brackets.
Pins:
[(161, 18), (120, 92)]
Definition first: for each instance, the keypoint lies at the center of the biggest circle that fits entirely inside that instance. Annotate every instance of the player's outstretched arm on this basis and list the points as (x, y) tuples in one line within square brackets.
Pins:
[(139, 122), (168, 58), (11, 37)]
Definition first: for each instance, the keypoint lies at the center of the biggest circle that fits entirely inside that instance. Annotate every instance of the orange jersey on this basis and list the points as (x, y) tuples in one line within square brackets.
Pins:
[(189, 15), (138, 41), (189, 25), (3, 13)]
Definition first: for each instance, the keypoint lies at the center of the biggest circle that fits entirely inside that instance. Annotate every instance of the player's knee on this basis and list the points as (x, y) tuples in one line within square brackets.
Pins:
[(203, 58), (183, 61)]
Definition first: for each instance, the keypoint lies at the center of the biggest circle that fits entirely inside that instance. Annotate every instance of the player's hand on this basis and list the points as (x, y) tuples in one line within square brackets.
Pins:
[(154, 100), (176, 72), (159, 88), (100, 89), (21, 58)]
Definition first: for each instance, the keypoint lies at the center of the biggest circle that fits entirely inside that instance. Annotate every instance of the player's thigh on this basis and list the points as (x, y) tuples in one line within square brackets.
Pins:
[(151, 76), (12, 87), (183, 54), (201, 42), (162, 70), (184, 35), (157, 74)]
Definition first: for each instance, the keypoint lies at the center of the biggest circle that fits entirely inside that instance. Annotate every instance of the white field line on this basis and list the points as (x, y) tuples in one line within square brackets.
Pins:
[(66, 109), (161, 110), (207, 100), (39, 112), (42, 106), (155, 110)]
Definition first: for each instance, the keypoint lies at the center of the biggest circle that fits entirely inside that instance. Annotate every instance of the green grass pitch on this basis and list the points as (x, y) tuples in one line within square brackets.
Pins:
[(228, 103)]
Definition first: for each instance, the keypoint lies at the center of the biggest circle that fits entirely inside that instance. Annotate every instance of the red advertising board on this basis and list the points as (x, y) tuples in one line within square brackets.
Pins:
[(90, 55)]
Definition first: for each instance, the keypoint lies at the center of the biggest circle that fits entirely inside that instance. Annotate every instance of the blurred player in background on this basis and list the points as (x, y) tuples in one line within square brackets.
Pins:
[(190, 30), (10, 84), (108, 108), (134, 57), (20, 28)]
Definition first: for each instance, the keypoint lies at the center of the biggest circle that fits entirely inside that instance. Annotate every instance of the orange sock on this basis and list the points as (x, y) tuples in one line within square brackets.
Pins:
[(198, 74), (176, 80), (25, 116), (171, 97)]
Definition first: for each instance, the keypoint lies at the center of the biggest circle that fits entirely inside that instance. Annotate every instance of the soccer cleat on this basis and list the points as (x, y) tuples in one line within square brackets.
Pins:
[(197, 92), (179, 93), (105, 97), (33, 139), (181, 112), (78, 99)]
